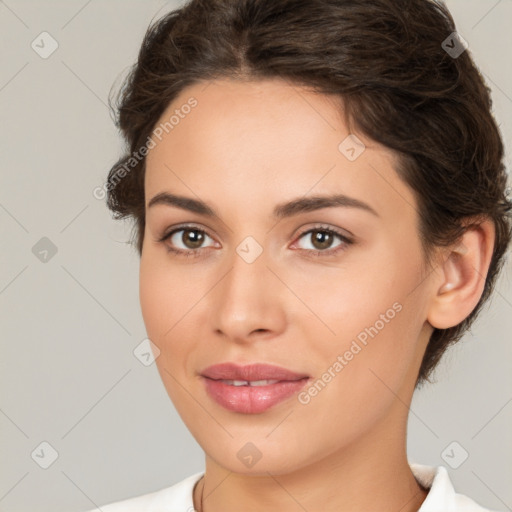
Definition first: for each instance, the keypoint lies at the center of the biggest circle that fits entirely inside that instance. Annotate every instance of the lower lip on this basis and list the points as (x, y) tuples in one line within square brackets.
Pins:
[(252, 399)]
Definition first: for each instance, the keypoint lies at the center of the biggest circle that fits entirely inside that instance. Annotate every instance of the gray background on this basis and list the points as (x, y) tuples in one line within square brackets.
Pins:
[(68, 375)]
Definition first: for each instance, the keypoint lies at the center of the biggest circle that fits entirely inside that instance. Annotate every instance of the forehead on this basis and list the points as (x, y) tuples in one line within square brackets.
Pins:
[(236, 115), (246, 141)]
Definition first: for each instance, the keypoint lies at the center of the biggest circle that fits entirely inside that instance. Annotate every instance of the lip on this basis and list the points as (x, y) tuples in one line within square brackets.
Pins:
[(255, 371), (251, 399)]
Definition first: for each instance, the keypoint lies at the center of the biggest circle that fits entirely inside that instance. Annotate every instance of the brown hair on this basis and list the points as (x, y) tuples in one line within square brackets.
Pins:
[(384, 58)]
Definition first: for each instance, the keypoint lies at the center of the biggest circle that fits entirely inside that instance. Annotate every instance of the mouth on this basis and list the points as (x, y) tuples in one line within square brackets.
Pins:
[(249, 382), (255, 372), (253, 388)]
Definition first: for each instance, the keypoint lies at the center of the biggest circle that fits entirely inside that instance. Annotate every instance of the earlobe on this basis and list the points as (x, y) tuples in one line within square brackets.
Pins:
[(461, 276)]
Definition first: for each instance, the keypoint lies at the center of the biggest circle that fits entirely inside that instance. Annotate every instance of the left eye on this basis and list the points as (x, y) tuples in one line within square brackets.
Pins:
[(322, 239)]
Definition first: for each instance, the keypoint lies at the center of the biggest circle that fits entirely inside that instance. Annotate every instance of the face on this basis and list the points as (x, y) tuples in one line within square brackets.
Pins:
[(290, 246)]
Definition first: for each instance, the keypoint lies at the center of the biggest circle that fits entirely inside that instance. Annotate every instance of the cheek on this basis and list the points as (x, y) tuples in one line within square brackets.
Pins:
[(345, 302), (170, 303), (165, 295), (376, 319), (152, 299), (359, 382), (160, 307)]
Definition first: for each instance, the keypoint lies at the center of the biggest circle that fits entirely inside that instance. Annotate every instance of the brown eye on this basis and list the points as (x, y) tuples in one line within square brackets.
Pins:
[(186, 239), (321, 239), (192, 238), (321, 242)]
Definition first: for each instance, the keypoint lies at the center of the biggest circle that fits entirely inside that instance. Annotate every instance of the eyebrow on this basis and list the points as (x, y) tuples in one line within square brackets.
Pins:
[(288, 209)]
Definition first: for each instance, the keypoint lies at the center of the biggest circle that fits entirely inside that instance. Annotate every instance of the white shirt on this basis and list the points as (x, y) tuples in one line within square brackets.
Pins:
[(178, 498)]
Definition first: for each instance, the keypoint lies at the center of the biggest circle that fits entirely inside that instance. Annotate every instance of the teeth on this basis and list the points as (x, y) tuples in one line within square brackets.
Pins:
[(249, 382), (237, 382), (262, 382)]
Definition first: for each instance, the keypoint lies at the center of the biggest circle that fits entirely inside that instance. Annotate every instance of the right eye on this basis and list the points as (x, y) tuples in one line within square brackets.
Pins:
[(191, 239)]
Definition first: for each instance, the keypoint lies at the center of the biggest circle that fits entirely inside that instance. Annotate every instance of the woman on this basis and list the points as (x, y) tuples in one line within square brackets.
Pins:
[(318, 192)]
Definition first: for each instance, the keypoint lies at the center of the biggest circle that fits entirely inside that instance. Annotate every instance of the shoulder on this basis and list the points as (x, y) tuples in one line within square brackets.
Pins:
[(441, 495), (176, 498)]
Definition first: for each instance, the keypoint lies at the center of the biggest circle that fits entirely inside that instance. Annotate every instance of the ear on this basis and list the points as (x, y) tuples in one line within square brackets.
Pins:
[(461, 276)]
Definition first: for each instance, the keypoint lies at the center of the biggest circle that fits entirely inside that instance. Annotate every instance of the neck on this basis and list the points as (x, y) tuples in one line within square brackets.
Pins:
[(372, 474)]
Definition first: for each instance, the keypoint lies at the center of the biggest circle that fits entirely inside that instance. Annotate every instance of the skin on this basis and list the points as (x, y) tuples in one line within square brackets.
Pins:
[(246, 147)]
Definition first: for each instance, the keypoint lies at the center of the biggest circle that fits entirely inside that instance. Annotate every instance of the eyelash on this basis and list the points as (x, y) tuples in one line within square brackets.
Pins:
[(195, 253)]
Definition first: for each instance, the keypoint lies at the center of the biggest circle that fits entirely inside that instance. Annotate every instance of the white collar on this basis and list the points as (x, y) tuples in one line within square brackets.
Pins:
[(441, 496)]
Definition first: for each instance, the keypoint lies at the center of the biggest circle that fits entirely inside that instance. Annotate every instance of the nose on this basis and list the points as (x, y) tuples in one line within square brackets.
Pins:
[(248, 303)]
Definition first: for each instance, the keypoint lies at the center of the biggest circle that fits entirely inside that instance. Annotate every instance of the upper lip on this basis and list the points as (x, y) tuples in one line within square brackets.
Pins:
[(250, 372)]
